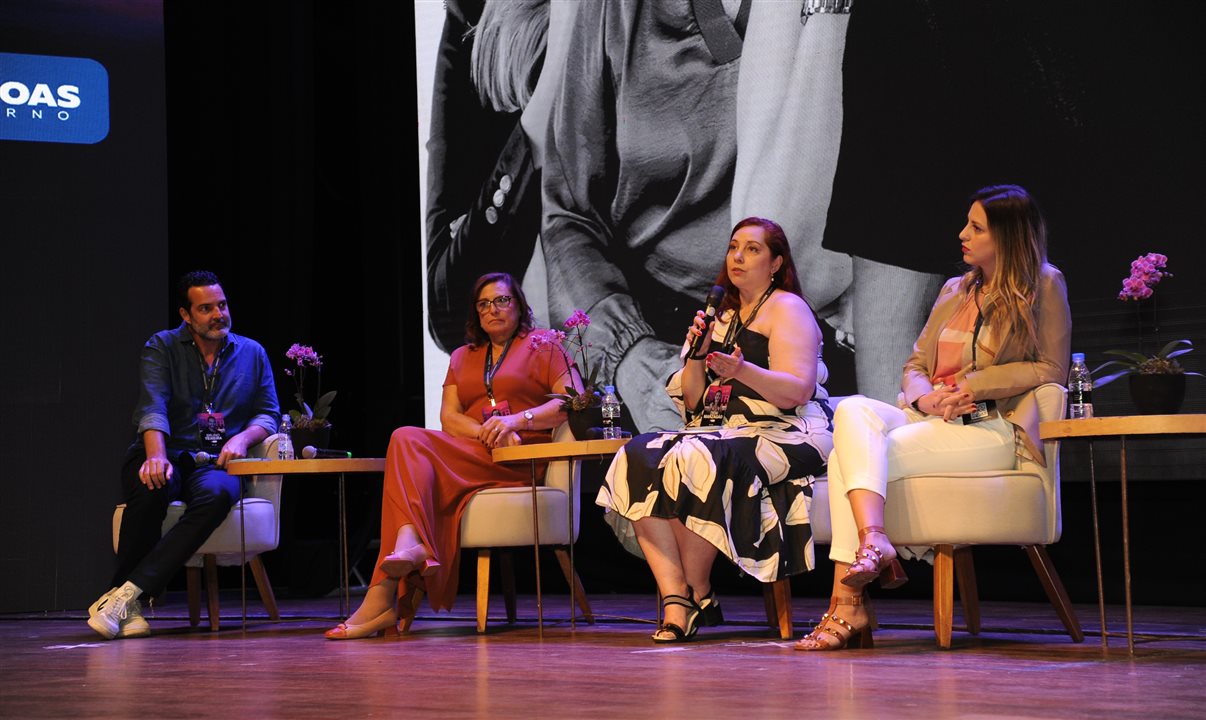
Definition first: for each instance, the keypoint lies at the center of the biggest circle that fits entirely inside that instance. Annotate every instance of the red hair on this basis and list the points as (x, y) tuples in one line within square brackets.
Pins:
[(776, 241)]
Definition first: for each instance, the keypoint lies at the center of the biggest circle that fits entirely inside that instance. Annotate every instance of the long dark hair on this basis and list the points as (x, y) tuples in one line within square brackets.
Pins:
[(776, 241), (1020, 234), (475, 336)]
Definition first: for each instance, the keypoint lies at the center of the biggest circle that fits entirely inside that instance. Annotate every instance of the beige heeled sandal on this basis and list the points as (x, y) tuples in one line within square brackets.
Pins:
[(384, 624), (398, 565)]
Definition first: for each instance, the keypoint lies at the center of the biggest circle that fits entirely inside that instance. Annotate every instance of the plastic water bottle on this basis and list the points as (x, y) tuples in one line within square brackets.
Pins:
[(284, 445), (611, 413), (1080, 389)]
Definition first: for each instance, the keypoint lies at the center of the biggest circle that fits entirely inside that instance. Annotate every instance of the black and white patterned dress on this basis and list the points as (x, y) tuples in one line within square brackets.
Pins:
[(746, 488)]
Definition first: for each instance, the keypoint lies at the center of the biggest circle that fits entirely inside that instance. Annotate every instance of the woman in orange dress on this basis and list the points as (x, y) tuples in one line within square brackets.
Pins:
[(495, 395)]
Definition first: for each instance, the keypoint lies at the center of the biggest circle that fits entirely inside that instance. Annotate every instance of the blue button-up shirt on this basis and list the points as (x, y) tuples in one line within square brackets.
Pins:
[(173, 390)]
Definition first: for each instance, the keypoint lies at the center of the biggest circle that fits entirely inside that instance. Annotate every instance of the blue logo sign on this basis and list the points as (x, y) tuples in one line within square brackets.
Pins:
[(53, 99)]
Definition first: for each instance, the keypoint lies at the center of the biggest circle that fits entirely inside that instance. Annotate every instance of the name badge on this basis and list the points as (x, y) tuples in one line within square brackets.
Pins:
[(211, 427), (716, 402), (985, 410), (500, 408)]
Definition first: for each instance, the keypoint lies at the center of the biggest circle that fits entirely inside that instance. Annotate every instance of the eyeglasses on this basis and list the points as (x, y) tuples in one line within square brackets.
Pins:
[(502, 302)]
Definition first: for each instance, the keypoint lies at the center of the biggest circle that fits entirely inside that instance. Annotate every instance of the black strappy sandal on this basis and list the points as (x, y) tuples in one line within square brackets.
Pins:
[(680, 634), (710, 614)]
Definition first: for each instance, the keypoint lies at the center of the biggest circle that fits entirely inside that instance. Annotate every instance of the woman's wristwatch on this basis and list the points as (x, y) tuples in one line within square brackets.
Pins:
[(529, 417)]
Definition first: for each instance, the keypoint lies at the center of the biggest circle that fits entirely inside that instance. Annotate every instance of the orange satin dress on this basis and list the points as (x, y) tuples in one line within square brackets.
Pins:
[(430, 475)]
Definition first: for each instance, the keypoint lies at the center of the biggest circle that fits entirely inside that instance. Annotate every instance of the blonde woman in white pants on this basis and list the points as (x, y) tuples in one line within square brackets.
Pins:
[(995, 333)]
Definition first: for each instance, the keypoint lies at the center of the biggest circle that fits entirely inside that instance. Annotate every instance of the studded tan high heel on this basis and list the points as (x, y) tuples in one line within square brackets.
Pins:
[(838, 628), (869, 564)]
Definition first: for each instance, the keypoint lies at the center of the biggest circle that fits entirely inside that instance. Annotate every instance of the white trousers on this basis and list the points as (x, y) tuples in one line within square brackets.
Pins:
[(875, 443)]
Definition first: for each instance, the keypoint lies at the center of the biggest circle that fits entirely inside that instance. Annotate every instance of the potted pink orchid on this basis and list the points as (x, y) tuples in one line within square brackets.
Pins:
[(1157, 382), (582, 408), (307, 417)]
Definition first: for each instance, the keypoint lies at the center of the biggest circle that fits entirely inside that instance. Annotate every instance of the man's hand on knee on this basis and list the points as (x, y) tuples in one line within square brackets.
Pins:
[(155, 472)]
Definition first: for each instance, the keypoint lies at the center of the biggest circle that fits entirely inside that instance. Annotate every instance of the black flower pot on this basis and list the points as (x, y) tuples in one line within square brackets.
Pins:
[(586, 424), (1157, 394), (320, 438)]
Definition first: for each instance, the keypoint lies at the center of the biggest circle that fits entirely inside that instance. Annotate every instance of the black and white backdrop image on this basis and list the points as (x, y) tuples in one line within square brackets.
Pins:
[(602, 151)]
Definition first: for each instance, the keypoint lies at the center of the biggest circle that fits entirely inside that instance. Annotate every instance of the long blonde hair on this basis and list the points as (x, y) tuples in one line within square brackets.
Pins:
[(1020, 233), (508, 51)]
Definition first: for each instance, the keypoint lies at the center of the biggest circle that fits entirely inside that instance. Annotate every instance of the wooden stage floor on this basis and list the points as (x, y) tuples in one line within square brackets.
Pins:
[(1021, 666)]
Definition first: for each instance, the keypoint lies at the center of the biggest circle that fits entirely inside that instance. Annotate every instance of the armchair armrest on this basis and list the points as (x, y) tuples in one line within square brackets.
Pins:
[(267, 487)]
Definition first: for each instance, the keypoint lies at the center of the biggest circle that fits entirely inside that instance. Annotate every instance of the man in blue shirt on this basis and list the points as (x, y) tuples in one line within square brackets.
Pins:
[(204, 389)]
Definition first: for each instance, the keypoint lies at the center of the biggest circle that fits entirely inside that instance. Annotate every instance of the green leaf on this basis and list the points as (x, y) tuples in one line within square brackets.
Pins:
[(1173, 344), (1132, 356), (322, 408), (1111, 378), (1112, 363)]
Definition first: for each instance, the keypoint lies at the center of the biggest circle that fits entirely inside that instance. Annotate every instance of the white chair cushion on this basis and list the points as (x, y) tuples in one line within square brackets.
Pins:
[(993, 508), (502, 517), (997, 507), (262, 532)]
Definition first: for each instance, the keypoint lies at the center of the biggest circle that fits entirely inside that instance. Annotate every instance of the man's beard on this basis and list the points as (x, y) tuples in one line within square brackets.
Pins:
[(212, 332)]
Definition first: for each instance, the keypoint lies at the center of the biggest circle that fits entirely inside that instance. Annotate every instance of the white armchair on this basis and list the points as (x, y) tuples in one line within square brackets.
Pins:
[(261, 506), (953, 511), (501, 518)]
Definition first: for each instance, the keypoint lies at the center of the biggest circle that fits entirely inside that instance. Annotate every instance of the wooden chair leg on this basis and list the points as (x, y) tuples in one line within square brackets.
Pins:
[(768, 603), (483, 588), (944, 593), (1055, 590), (193, 576), (265, 587), (211, 591), (506, 568), (969, 594), (781, 589), (575, 584)]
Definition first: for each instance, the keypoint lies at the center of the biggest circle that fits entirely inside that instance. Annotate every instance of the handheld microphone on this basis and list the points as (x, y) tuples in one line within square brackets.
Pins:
[(203, 458), (310, 452), (710, 305)]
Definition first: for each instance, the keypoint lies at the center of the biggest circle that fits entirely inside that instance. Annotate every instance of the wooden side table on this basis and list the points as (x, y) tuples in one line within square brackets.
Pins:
[(324, 466), (1109, 428), (570, 450)]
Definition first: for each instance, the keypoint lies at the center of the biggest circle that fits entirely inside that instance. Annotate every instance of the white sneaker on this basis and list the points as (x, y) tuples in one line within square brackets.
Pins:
[(115, 610), (135, 625), (95, 607)]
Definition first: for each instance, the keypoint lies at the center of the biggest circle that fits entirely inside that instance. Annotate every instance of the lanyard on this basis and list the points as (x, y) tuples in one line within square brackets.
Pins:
[(209, 378), (490, 368), (736, 326), (979, 324)]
